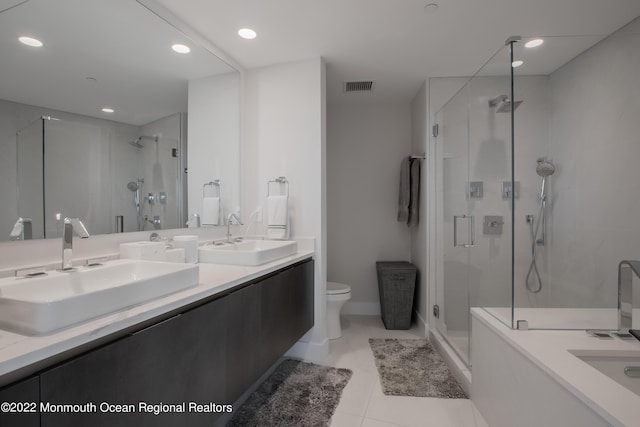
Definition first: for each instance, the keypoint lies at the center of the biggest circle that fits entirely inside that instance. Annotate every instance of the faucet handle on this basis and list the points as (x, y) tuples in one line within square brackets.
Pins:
[(78, 226), (233, 215)]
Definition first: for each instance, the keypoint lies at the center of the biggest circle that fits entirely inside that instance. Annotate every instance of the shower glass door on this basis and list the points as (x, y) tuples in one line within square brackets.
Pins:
[(474, 179), (456, 233)]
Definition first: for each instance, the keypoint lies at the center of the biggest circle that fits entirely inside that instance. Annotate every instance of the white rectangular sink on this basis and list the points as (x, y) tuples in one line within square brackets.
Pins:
[(43, 304), (248, 252), (621, 366)]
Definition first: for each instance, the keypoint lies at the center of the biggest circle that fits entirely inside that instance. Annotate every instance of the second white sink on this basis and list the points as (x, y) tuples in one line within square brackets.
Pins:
[(40, 305), (248, 252)]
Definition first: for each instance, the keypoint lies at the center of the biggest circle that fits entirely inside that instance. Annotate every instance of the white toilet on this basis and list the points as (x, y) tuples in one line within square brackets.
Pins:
[(337, 295)]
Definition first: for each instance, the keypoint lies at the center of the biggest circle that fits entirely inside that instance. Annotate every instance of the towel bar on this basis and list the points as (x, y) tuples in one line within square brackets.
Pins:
[(279, 180), (213, 184)]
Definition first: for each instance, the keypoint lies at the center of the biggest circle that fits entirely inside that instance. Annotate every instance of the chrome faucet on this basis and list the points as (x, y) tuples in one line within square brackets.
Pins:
[(625, 293), (71, 224), (231, 216)]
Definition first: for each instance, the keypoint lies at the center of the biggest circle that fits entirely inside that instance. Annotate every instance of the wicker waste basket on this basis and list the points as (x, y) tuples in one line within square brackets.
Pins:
[(396, 283)]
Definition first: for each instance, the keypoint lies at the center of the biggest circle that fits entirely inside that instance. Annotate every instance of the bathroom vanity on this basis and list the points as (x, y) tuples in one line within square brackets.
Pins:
[(201, 348)]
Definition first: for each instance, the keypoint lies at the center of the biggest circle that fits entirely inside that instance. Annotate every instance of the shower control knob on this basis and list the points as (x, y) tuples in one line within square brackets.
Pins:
[(492, 224)]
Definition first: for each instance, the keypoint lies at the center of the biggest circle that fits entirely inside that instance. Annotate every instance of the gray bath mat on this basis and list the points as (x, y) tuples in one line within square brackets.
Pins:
[(297, 394), (413, 368)]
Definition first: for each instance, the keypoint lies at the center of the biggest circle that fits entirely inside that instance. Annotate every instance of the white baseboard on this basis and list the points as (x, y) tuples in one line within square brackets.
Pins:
[(362, 308), (309, 351), (423, 326)]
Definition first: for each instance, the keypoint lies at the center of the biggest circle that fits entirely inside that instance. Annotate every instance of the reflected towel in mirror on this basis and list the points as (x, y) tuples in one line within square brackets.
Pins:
[(210, 211)]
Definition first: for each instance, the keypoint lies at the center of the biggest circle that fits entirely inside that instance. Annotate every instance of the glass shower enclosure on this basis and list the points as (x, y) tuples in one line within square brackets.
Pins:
[(536, 171)]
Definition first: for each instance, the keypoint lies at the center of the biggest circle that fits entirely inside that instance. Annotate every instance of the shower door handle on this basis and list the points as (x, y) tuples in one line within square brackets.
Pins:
[(472, 231)]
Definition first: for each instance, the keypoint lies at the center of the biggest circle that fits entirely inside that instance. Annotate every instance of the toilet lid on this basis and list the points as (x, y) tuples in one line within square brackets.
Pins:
[(334, 288)]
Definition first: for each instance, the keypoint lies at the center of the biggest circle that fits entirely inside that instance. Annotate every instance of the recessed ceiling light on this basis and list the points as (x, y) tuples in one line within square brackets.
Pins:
[(516, 64), (181, 48), (431, 8), (30, 41), (108, 110), (533, 43), (247, 33)]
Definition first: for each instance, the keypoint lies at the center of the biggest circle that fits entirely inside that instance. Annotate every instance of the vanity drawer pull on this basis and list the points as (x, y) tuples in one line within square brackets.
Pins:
[(156, 324), (632, 371)]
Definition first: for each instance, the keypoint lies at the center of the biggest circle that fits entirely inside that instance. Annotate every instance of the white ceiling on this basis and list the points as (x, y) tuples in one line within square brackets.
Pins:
[(393, 42), (98, 53)]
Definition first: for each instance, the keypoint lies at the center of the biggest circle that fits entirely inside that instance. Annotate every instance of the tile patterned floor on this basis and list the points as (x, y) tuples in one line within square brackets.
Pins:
[(363, 403)]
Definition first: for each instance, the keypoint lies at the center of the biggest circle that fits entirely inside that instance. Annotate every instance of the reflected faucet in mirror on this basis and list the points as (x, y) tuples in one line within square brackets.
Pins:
[(71, 224), (230, 218), (22, 230), (194, 221)]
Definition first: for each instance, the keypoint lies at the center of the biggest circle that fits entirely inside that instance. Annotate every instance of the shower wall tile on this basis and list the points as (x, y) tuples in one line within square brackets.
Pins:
[(595, 143)]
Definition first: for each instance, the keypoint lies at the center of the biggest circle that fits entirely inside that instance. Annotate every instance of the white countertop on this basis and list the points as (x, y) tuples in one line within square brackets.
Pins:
[(20, 351), (550, 351)]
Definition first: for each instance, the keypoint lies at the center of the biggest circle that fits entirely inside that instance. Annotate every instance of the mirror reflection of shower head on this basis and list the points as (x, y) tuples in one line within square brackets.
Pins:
[(138, 141), (504, 104), (133, 186)]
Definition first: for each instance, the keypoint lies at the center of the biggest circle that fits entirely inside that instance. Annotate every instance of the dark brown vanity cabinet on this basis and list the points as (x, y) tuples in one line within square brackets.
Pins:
[(243, 337), (209, 354), (20, 404), (177, 361), (287, 311)]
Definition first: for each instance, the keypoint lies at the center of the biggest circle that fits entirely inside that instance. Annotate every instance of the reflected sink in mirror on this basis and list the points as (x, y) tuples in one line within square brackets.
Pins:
[(247, 252), (621, 366), (43, 304)]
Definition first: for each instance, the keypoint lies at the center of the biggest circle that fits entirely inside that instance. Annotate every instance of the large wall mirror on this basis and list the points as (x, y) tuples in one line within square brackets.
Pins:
[(107, 118)]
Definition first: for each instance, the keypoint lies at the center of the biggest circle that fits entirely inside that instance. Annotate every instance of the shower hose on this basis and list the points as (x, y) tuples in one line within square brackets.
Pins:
[(533, 268)]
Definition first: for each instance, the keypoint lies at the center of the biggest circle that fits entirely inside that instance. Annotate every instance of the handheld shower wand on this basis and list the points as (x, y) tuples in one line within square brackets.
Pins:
[(544, 169), (135, 187)]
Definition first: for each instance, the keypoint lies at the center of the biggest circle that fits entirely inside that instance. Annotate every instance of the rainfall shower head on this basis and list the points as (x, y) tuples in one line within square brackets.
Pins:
[(133, 186), (504, 104)]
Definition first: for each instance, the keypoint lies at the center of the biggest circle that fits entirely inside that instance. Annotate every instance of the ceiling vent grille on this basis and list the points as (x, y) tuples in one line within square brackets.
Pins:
[(358, 86)]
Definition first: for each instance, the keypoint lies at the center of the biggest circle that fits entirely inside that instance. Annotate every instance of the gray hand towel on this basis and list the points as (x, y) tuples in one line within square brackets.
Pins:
[(405, 194), (414, 185)]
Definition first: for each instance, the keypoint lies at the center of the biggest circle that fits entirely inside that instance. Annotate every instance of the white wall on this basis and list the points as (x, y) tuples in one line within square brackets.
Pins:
[(365, 146), (284, 135), (214, 135)]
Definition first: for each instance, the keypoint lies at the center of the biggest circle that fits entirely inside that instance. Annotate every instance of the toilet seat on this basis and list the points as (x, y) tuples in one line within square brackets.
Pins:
[(334, 288)]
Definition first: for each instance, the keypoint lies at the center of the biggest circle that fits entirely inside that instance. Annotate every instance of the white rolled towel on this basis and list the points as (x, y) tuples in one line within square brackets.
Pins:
[(211, 211), (278, 217)]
